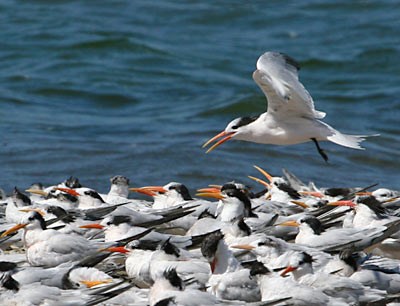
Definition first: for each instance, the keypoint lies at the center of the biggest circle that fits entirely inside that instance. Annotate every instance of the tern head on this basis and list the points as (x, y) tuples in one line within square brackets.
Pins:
[(20, 199), (258, 268), (234, 129), (32, 220), (173, 278), (72, 182), (300, 264), (6, 270)]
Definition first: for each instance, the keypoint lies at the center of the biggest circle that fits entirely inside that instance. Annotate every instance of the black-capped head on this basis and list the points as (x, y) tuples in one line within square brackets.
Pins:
[(170, 248), (119, 180), (350, 258), (372, 203), (244, 227), (61, 213), (240, 122), (235, 193), (8, 268), (10, 283), (305, 258), (20, 199), (63, 196), (35, 216), (182, 190), (210, 243), (93, 194), (119, 219), (285, 187), (144, 244), (258, 268), (72, 182), (173, 278), (314, 224)]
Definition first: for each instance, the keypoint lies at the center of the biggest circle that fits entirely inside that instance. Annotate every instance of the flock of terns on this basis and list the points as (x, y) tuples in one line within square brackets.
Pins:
[(289, 244)]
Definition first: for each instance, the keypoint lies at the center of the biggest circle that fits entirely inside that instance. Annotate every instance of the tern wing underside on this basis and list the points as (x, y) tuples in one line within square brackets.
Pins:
[(277, 76)]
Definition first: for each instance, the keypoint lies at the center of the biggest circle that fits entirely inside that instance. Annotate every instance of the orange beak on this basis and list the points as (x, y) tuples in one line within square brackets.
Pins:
[(300, 203), (37, 191), (290, 223), (120, 249), (210, 189), (343, 203), (265, 173), (214, 193), (39, 211), (287, 270), (314, 194), (13, 229), (247, 247), (149, 190), (91, 284), (68, 190), (92, 225), (226, 135)]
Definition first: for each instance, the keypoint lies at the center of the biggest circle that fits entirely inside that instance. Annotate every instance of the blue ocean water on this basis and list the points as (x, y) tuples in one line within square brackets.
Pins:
[(99, 88)]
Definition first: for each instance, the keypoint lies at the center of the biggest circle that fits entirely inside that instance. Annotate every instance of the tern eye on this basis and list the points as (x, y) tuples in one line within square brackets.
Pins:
[(235, 127), (261, 243), (31, 218), (109, 223)]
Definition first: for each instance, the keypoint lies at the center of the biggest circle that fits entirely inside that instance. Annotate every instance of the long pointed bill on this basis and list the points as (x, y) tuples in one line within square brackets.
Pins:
[(92, 225), (226, 135), (342, 203), (289, 223), (314, 194), (69, 191), (119, 249), (262, 182), (391, 200), (214, 195), (149, 190), (38, 210), (300, 203), (209, 190), (37, 191), (287, 270), (265, 173), (247, 247), (93, 283), (13, 229)]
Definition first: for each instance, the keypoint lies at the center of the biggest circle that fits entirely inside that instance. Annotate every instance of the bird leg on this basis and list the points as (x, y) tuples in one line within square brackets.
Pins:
[(320, 151)]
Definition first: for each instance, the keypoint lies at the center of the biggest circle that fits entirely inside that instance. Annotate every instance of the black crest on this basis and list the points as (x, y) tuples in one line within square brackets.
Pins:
[(169, 248), (258, 268), (244, 121), (182, 190), (314, 223), (210, 244), (173, 278), (72, 182)]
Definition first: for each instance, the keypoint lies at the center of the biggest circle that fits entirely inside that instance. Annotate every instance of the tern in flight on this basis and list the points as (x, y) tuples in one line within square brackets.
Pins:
[(291, 117)]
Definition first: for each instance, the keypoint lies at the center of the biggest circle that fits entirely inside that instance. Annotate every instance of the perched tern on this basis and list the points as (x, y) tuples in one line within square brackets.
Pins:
[(291, 117)]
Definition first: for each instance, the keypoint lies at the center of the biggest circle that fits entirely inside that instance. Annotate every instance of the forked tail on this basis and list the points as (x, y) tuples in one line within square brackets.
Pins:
[(350, 141)]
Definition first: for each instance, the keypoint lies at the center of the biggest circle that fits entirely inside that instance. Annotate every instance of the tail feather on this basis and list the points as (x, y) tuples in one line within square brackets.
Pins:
[(350, 141)]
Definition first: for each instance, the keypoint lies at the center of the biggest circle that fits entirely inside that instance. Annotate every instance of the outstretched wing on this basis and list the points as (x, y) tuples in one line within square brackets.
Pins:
[(277, 76)]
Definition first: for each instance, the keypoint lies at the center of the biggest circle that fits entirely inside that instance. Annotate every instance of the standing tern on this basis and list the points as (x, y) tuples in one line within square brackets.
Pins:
[(291, 117)]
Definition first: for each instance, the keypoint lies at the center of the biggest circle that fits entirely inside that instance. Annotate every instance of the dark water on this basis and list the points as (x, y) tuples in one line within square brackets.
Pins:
[(99, 88)]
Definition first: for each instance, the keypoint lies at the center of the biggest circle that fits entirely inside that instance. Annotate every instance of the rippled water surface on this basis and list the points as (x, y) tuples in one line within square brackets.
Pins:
[(99, 88)]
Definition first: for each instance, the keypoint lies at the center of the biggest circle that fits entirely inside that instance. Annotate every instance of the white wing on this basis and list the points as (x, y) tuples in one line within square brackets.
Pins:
[(277, 76)]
